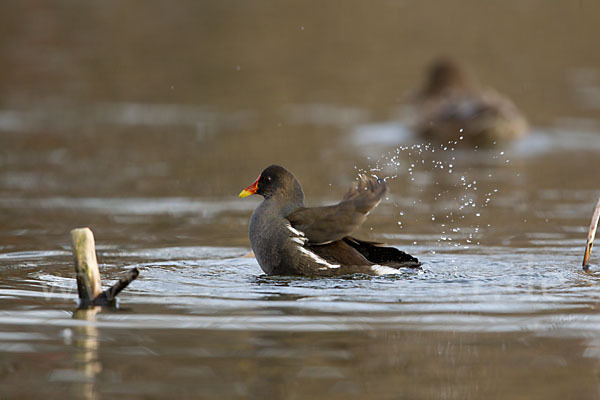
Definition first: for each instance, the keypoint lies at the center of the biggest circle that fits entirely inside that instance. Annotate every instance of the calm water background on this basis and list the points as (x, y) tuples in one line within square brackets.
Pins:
[(144, 119)]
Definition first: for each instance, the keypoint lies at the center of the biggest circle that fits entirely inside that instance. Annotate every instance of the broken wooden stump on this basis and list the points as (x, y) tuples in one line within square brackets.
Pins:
[(591, 236), (89, 284)]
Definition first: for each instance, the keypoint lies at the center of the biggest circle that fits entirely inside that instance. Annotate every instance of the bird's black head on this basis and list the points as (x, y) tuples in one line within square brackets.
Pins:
[(443, 74), (275, 181)]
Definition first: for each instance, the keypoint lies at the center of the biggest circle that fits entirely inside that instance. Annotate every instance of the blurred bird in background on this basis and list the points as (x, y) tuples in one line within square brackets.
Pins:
[(452, 103)]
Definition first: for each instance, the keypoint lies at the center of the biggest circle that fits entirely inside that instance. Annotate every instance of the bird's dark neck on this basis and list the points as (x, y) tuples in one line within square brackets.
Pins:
[(291, 206), (283, 207), (288, 201)]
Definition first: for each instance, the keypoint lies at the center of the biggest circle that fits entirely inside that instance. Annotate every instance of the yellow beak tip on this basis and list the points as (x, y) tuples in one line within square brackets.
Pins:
[(245, 193)]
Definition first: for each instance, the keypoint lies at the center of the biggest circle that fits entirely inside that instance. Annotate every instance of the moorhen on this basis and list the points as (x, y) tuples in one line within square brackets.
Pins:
[(452, 104), (290, 239)]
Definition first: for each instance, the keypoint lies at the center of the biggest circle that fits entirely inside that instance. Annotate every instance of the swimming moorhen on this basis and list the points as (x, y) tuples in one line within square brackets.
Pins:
[(452, 104), (290, 239)]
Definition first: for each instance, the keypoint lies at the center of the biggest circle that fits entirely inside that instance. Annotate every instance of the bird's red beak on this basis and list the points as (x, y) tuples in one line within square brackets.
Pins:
[(250, 190)]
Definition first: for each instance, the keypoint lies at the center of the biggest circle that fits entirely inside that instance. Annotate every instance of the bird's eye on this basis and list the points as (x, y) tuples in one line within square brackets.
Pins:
[(269, 178)]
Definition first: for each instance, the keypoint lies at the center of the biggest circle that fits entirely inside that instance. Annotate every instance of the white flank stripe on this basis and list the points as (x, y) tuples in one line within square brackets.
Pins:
[(295, 231), (317, 259), (298, 240), (383, 270)]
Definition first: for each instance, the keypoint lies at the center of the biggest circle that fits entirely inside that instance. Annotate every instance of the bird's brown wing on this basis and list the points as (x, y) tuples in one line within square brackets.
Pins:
[(330, 223)]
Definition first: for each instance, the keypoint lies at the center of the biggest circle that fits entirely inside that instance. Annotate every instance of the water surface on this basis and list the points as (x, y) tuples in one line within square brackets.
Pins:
[(147, 131)]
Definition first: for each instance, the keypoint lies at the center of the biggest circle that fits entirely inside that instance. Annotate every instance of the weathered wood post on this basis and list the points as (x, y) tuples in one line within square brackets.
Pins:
[(89, 284), (591, 236)]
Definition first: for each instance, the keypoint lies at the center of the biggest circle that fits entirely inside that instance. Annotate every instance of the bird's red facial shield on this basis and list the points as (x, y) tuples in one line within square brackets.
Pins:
[(250, 190)]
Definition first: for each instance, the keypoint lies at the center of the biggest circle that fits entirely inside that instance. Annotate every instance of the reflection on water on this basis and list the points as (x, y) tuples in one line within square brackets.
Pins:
[(87, 364), (200, 314), (147, 131), (501, 297)]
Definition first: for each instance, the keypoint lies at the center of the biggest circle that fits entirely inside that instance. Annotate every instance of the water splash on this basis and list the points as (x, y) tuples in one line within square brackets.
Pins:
[(464, 192)]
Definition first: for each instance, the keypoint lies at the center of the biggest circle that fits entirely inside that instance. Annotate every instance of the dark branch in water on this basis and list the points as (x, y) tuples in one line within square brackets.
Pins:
[(109, 295), (591, 236)]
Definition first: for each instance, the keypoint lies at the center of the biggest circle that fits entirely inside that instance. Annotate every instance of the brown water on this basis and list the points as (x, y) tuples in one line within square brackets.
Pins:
[(143, 120)]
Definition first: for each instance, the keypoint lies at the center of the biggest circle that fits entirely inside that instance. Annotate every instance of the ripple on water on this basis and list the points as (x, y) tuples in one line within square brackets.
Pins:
[(173, 206), (214, 288), (28, 255)]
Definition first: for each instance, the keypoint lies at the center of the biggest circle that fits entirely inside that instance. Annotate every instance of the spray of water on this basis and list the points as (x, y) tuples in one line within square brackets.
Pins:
[(461, 215)]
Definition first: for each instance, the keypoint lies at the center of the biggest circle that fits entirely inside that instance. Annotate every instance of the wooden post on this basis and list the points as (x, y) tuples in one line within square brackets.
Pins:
[(591, 236), (89, 284)]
